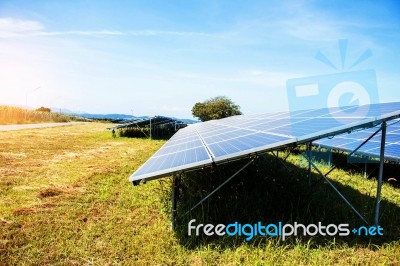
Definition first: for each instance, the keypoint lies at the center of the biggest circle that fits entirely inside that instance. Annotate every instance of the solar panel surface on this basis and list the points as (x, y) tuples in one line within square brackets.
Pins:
[(230, 138), (350, 141)]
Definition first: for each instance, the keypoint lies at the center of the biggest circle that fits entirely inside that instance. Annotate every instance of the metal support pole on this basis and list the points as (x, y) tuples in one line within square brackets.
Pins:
[(150, 127), (175, 187), (309, 147), (226, 181), (339, 193), (281, 161), (365, 169), (379, 186), (330, 158)]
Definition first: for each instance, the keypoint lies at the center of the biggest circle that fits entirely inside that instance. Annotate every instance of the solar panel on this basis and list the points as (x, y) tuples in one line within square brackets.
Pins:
[(350, 141), (153, 121), (219, 141)]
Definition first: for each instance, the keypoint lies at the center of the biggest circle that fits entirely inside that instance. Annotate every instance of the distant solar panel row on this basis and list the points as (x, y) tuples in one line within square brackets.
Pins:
[(154, 121), (217, 141), (350, 141)]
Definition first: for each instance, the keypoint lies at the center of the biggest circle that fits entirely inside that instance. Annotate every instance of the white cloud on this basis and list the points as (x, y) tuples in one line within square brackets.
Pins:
[(10, 26), (251, 77), (306, 23)]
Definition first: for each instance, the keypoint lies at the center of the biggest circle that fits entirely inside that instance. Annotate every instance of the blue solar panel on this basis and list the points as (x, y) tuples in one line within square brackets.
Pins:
[(350, 141), (248, 143), (217, 141)]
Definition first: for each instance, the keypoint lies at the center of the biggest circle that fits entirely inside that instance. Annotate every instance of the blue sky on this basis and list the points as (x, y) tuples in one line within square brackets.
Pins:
[(161, 57)]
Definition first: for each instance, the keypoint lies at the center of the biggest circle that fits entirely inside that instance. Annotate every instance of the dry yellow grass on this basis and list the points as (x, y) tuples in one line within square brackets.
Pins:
[(15, 115), (52, 159)]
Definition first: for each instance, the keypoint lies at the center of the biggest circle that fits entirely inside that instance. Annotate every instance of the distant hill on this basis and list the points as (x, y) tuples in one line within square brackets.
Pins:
[(106, 116), (114, 117)]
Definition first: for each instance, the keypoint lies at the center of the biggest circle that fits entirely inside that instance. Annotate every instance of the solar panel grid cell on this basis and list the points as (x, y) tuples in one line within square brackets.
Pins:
[(350, 141), (182, 146)]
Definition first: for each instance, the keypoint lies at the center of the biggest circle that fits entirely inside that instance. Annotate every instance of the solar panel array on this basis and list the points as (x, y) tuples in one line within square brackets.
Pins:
[(226, 139), (350, 141), (154, 121)]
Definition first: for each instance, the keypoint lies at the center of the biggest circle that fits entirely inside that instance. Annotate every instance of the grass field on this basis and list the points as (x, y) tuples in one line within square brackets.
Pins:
[(65, 200)]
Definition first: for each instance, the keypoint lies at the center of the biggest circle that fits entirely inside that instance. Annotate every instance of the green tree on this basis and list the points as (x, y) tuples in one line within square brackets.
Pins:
[(215, 108)]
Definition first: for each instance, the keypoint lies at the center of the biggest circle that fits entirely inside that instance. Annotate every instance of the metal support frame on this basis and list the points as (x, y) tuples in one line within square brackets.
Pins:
[(380, 176), (330, 158), (354, 151), (175, 192), (338, 192), (379, 186), (150, 127), (141, 129), (371, 171), (309, 154), (365, 169), (136, 125), (284, 159), (175, 180), (220, 186)]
